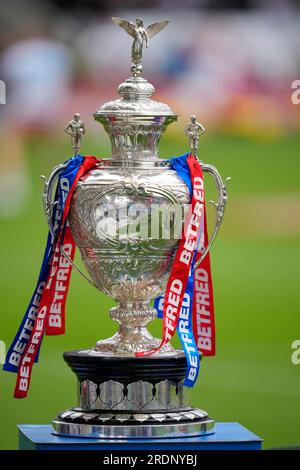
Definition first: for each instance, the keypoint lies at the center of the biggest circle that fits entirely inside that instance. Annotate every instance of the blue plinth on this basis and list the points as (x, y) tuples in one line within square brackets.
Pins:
[(228, 436)]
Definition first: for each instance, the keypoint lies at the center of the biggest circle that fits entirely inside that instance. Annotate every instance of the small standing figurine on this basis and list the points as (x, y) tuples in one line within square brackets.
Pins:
[(193, 131), (76, 129), (141, 37)]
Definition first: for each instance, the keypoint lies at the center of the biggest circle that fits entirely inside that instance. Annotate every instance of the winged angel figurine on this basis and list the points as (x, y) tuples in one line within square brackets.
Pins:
[(141, 37)]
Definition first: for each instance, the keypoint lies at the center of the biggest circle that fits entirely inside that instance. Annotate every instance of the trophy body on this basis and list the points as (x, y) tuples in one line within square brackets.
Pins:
[(130, 268), (121, 395)]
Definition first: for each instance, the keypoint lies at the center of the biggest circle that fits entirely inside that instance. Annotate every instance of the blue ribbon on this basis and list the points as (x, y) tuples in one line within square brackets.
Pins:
[(21, 339), (185, 327)]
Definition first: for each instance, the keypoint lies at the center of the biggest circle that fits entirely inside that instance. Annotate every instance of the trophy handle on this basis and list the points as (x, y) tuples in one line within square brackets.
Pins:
[(219, 206), (48, 205)]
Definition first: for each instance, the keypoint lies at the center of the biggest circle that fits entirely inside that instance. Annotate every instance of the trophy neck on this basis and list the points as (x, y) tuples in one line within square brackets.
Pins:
[(135, 122)]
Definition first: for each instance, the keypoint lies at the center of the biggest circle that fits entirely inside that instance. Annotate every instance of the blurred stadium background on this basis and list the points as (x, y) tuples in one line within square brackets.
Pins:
[(233, 64)]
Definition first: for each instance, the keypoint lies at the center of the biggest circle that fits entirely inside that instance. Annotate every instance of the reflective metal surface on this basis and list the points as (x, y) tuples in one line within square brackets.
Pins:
[(131, 270), (141, 37), (139, 396), (193, 131), (76, 129), (122, 262), (128, 408), (125, 431), (128, 249)]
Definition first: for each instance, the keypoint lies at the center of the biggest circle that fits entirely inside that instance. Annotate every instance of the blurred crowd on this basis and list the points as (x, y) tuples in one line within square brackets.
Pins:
[(233, 67), (230, 63)]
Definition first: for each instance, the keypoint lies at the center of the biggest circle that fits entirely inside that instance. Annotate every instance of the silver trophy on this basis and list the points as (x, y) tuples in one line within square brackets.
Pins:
[(120, 395)]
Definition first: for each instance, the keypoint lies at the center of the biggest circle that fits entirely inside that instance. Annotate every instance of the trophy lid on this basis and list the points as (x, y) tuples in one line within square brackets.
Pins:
[(135, 99), (135, 113)]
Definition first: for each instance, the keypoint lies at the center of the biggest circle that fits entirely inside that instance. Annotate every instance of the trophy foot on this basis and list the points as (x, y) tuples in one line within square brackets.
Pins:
[(129, 397), (114, 347), (72, 423), (133, 335)]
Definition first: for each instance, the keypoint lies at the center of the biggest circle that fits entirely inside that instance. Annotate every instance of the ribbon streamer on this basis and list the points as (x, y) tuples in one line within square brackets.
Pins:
[(195, 327), (50, 295), (187, 305), (178, 278)]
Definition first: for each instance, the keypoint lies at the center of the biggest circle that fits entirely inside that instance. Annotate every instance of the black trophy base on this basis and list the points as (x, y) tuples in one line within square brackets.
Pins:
[(129, 397)]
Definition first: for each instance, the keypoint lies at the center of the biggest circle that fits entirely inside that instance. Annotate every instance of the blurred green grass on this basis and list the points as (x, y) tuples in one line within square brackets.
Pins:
[(256, 282)]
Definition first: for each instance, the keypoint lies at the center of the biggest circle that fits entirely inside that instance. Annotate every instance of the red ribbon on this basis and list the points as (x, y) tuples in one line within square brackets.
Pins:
[(183, 259), (55, 293), (203, 301), (61, 268)]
